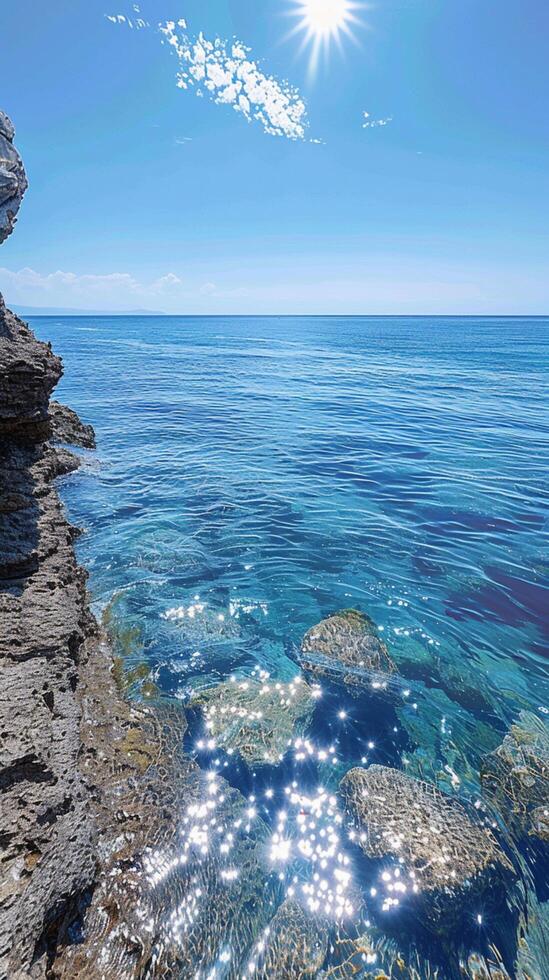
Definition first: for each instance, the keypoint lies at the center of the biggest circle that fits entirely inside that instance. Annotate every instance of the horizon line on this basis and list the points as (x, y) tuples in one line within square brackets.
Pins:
[(281, 316)]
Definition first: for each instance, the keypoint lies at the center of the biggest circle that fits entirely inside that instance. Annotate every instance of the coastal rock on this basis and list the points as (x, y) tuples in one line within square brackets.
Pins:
[(13, 180), (515, 777), (256, 718), (47, 841), (67, 428), (346, 648), (445, 858), (29, 371)]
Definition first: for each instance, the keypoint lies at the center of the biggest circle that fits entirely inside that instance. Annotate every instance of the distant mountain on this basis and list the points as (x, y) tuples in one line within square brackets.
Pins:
[(69, 311)]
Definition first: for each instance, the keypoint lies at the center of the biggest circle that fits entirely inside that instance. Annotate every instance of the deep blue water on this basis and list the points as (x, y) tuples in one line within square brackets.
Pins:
[(283, 468)]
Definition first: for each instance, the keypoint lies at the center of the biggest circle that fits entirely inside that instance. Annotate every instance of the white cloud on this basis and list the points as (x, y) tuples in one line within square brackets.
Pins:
[(134, 23), (370, 123), (67, 288), (114, 291), (223, 71)]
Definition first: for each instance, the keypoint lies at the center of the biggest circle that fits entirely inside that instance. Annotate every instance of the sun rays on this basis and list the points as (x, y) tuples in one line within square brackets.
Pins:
[(322, 22)]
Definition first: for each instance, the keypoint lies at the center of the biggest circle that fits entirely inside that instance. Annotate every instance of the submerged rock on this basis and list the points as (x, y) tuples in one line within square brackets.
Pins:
[(292, 947), (446, 859), (346, 647), (180, 881), (532, 961), (256, 719), (515, 777)]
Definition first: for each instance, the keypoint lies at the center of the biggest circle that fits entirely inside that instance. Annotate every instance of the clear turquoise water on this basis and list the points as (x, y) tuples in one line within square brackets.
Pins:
[(283, 468)]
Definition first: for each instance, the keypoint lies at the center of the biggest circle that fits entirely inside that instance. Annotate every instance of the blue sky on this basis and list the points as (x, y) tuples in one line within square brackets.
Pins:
[(144, 195)]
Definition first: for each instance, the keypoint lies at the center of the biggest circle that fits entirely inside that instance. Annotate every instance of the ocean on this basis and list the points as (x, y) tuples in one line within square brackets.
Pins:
[(255, 475)]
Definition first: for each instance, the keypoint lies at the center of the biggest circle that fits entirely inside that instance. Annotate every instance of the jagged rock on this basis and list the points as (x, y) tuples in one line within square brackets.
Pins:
[(29, 372), (515, 777), (67, 427), (256, 719), (346, 647), (48, 843), (13, 180), (446, 857), (293, 947)]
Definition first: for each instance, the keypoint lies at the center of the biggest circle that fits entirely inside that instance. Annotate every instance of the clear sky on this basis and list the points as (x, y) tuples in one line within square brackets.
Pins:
[(145, 195)]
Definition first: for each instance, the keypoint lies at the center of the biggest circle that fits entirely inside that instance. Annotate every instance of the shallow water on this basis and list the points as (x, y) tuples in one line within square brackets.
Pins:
[(254, 475)]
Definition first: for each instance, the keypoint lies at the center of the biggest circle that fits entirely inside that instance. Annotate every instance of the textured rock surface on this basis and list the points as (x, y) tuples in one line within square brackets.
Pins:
[(47, 842), (294, 946), (67, 427), (346, 647), (256, 719), (160, 906), (447, 859), (516, 776), (13, 181)]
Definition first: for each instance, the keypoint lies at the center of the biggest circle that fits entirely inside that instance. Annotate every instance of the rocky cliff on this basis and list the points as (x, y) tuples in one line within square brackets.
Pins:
[(47, 844), (72, 749)]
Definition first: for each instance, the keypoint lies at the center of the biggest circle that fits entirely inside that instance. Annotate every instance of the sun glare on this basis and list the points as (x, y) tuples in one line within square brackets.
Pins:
[(324, 21), (325, 16)]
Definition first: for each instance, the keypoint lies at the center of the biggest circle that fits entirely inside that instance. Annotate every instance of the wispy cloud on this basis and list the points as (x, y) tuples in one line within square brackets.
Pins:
[(224, 71), (115, 290), (370, 123), (136, 23), (67, 287)]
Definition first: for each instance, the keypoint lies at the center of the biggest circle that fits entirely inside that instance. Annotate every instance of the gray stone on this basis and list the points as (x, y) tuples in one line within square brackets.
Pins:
[(347, 649), (445, 858), (13, 180), (68, 428)]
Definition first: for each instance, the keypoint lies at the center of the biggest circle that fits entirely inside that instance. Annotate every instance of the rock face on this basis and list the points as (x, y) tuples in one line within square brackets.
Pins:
[(67, 427), (13, 180), (515, 777), (445, 859), (346, 647), (47, 842)]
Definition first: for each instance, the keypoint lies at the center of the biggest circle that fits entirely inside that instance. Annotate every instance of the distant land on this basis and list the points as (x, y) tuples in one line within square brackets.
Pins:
[(70, 311)]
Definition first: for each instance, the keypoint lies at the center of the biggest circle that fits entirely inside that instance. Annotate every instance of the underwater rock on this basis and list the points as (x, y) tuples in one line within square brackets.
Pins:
[(450, 743), (292, 947), (13, 180), (346, 647), (532, 961), (178, 869), (446, 858), (515, 777), (256, 718)]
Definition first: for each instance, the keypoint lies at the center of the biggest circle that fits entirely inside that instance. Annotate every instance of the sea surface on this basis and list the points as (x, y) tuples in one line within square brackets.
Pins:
[(255, 475)]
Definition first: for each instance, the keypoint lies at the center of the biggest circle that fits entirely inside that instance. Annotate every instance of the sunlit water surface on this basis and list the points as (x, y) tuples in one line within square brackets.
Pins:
[(254, 475)]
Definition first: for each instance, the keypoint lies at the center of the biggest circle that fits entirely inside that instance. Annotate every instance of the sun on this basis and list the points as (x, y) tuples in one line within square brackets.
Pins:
[(324, 21)]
